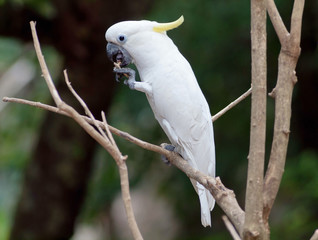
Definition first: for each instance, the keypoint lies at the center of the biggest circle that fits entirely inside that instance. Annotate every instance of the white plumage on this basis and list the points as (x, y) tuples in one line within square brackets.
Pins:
[(174, 95)]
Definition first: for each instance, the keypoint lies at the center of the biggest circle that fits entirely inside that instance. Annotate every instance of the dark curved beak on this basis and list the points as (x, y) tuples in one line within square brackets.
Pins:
[(117, 53)]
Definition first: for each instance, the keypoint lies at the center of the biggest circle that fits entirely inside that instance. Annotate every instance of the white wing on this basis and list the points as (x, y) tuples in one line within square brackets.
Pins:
[(183, 113)]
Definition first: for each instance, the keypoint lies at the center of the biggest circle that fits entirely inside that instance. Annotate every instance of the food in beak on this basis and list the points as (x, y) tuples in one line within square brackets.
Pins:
[(118, 54)]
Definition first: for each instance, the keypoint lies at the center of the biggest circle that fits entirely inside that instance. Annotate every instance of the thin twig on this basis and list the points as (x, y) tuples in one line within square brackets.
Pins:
[(57, 110), (80, 100), (100, 138), (230, 228), (106, 126), (232, 104), (45, 71), (125, 135), (35, 104)]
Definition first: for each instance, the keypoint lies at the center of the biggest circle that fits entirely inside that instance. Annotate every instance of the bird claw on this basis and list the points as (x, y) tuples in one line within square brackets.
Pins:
[(168, 147), (130, 84), (127, 72), (118, 76)]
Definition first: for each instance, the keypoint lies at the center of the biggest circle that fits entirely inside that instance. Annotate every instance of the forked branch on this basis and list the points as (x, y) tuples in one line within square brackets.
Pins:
[(277, 21), (223, 196), (286, 79), (100, 136)]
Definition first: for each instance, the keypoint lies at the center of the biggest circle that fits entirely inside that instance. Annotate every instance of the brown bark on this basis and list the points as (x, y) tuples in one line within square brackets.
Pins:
[(282, 93), (253, 225)]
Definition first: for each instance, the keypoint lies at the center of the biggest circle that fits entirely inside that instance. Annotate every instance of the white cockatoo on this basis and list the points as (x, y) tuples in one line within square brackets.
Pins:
[(172, 90)]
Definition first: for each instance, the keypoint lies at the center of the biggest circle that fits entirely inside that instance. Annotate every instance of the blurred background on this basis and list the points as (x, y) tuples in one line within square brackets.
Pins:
[(57, 183)]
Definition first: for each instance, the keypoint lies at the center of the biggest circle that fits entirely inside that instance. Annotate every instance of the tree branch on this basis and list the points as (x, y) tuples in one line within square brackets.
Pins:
[(125, 135), (86, 109), (101, 138), (230, 228), (232, 104), (223, 196), (296, 21), (44, 68), (286, 79), (57, 110), (277, 21), (253, 226)]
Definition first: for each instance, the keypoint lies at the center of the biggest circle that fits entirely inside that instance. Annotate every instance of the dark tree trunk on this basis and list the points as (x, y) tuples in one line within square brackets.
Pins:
[(56, 178)]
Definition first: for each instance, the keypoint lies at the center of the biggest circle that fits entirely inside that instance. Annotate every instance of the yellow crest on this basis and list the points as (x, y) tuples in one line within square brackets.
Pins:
[(162, 27)]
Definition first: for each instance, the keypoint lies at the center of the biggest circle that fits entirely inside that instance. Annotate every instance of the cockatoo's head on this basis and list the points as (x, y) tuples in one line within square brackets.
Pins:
[(129, 40)]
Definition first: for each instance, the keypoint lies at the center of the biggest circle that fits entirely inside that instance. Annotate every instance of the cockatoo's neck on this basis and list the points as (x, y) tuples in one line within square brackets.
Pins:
[(152, 51)]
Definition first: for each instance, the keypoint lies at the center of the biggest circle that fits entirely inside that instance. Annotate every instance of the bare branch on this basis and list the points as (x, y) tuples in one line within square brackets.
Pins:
[(35, 104), (253, 226), (277, 21), (231, 105), (80, 100), (282, 93), (223, 196), (45, 71), (99, 137), (230, 228), (125, 135), (106, 127), (296, 21)]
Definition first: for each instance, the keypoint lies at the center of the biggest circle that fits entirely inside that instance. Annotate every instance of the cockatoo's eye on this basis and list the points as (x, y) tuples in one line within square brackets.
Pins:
[(122, 38)]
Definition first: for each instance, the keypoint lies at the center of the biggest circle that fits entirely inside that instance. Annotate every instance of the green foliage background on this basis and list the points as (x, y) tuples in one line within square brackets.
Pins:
[(215, 38)]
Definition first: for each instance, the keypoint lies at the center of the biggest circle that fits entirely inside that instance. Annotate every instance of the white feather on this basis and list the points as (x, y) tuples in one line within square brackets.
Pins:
[(175, 98)]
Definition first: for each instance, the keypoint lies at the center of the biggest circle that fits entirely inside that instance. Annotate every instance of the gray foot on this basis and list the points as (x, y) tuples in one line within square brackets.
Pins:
[(126, 72), (168, 147)]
